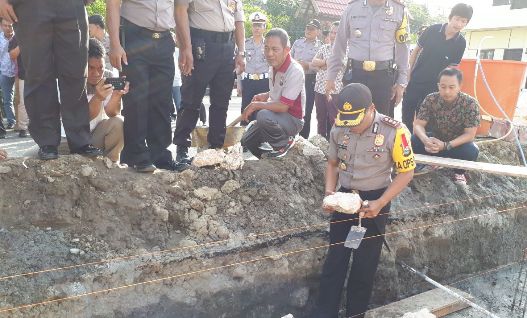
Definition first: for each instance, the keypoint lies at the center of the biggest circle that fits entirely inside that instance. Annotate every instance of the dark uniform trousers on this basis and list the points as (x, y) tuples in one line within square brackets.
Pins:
[(413, 97), (363, 267), (249, 89), (380, 84), (147, 106), (53, 39), (214, 68), (311, 79)]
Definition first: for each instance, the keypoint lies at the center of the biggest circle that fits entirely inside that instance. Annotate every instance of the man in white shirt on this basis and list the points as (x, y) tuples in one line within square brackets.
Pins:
[(106, 126)]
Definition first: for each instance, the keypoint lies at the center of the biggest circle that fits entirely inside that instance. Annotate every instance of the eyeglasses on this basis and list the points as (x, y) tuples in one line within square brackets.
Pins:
[(310, 28), (258, 25)]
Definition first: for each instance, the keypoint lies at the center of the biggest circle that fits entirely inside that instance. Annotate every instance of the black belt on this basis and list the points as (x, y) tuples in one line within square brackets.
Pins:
[(136, 29), (370, 66), (211, 36)]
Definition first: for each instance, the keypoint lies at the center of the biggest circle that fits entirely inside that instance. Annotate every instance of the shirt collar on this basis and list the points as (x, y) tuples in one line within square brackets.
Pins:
[(446, 105), (283, 68), (443, 31)]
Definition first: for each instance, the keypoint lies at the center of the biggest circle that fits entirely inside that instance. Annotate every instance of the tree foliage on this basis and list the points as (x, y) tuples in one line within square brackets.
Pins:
[(420, 16), (97, 7)]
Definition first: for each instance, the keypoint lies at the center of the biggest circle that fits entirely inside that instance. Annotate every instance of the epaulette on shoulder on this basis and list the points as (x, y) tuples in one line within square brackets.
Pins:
[(391, 122)]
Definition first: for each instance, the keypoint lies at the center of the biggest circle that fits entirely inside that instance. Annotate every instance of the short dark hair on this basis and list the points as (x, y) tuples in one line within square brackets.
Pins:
[(281, 34), (96, 49), (451, 71), (97, 19), (461, 10)]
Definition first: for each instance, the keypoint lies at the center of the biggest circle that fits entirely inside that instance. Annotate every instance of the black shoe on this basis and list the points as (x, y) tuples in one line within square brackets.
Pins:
[(48, 153), (23, 134), (88, 151), (173, 166), (145, 168), (182, 155)]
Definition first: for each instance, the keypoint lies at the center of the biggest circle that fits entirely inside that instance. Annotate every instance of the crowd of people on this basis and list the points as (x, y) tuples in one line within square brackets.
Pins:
[(116, 86)]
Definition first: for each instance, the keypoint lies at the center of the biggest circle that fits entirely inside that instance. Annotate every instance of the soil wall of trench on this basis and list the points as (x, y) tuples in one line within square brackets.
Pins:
[(220, 243)]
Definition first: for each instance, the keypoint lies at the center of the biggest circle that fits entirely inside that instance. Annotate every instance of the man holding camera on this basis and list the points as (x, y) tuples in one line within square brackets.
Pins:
[(142, 47), (106, 126)]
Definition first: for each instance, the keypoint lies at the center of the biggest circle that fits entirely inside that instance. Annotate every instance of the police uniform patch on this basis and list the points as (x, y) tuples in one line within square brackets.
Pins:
[(376, 156), (391, 122), (343, 166), (379, 140), (347, 106), (406, 146)]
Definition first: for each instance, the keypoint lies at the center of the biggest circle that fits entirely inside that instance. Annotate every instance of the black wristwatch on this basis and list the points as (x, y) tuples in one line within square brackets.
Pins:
[(448, 146)]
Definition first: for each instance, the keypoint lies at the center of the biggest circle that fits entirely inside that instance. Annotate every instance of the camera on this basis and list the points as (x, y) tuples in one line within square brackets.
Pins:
[(118, 83)]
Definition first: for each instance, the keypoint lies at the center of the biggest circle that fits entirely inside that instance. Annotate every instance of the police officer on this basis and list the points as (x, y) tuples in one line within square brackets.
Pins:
[(53, 39), (303, 51), (143, 49), (255, 78), (364, 146), (376, 33), (208, 32)]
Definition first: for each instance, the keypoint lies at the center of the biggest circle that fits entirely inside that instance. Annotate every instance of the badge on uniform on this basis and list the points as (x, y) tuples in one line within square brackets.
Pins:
[(406, 146), (379, 140), (389, 11), (343, 166), (376, 156)]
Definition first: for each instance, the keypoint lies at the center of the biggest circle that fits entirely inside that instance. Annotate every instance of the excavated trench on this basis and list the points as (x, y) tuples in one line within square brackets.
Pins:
[(220, 243)]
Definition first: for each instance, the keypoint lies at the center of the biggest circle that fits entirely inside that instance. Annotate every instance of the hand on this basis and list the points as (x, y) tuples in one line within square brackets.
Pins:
[(240, 64), (103, 90), (305, 65), (118, 55), (3, 154), (371, 210), (7, 12), (397, 93), (186, 61), (249, 110), (124, 91), (325, 208), (330, 88), (259, 98), (433, 145)]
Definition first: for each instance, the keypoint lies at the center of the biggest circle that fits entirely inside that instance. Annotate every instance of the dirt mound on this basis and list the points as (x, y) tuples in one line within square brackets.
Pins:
[(75, 210)]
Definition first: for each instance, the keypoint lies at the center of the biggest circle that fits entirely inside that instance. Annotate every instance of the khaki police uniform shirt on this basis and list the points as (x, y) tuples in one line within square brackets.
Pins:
[(214, 15), (255, 58), (304, 50), (365, 161), (371, 35), (155, 15)]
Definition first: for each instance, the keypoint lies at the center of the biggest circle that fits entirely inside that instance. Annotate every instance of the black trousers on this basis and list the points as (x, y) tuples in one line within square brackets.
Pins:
[(53, 39), (311, 79), (413, 97), (363, 267), (215, 69), (380, 84), (147, 106), (249, 89)]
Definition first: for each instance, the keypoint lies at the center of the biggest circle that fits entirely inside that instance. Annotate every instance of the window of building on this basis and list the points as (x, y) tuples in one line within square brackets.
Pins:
[(513, 54), (487, 54), (500, 2)]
